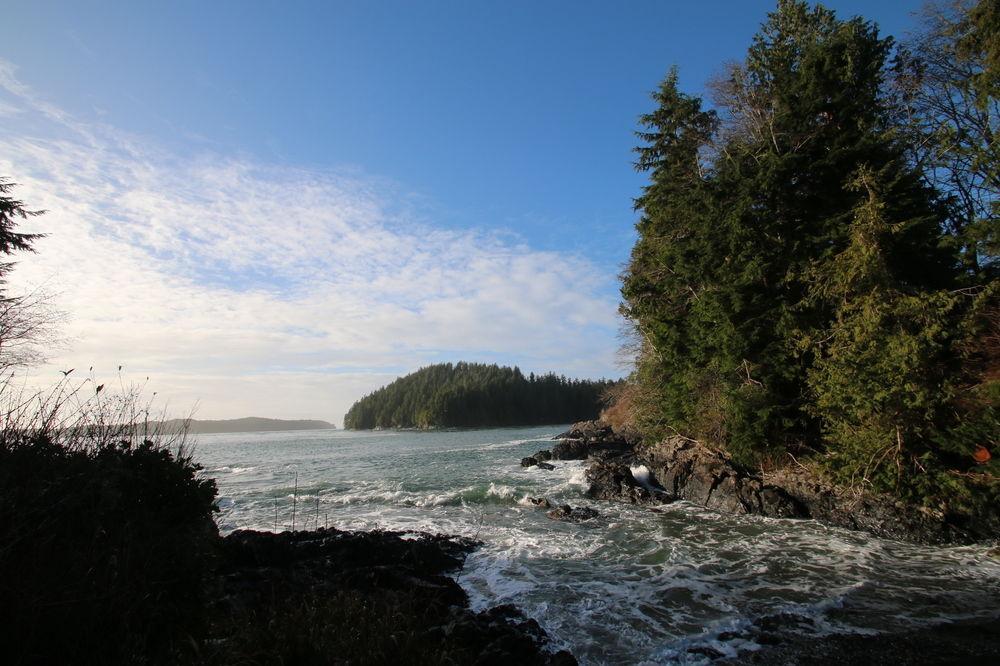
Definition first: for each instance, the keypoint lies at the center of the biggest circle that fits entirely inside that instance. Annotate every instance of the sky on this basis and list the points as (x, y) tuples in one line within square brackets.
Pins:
[(272, 209)]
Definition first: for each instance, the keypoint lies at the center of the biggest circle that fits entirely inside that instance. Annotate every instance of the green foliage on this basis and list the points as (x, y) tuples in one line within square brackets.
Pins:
[(104, 549), (886, 373), (12, 241), (737, 215), (796, 283), (476, 395)]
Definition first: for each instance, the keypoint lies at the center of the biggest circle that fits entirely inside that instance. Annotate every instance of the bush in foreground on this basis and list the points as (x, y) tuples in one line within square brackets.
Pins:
[(105, 535)]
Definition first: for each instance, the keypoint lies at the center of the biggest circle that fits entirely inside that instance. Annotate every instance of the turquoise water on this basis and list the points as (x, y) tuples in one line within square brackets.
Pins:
[(632, 586)]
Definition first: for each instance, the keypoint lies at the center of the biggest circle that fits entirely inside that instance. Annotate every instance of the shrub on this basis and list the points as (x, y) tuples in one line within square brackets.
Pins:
[(105, 532)]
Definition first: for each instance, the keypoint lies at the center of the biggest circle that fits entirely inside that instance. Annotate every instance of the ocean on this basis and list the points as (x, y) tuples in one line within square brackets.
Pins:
[(632, 586)]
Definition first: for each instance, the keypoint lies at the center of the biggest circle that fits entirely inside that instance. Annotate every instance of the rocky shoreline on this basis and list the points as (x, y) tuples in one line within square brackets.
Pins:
[(622, 468), (365, 597)]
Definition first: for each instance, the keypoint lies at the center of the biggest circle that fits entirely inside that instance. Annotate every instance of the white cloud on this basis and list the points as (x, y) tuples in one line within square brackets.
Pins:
[(275, 291)]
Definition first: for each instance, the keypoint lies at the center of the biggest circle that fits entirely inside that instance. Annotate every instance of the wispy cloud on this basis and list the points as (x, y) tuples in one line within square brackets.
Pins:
[(261, 289)]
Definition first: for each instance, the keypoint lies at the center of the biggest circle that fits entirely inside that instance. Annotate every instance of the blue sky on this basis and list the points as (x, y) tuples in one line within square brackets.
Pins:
[(455, 176)]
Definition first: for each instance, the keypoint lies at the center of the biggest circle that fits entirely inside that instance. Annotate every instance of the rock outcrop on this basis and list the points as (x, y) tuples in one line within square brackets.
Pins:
[(535, 461), (589, 438), (680, 468), (375, 581), (691, 471), (615, 481), (573, 514)]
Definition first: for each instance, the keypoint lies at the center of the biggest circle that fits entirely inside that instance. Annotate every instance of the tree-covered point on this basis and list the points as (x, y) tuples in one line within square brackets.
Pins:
[(816, 268), (476, 395)]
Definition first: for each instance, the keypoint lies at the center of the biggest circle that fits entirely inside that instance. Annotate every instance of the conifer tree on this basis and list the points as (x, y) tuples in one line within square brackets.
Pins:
[(746, 234)]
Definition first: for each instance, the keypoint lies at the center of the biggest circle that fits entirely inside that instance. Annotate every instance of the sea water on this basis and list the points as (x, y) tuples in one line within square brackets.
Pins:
[(632, 586)]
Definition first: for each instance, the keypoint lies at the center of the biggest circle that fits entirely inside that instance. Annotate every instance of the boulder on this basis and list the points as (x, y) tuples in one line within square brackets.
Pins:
[(692, 471), (615, 481), (530, 461), (540, 502), (542, 455), (545, 465), (591, 438), (572, 514), (570, 449)]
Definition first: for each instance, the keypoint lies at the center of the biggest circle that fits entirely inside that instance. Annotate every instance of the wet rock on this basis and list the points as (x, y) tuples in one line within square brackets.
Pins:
[(570, 449), (971, 641), (507, 637), (530, 461), (572, 514), (540, 502), (705, 651), (692, 471), (263, 575), (881, 515), (783, 622), (590, 438), (544, 465), (542, 455), (615, 481)]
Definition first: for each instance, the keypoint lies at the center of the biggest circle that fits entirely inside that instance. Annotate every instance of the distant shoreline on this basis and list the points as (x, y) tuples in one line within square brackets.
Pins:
[(246, 424), (462, 428)]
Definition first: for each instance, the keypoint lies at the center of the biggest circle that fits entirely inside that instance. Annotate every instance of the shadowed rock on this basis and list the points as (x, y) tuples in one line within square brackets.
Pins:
[(615, 481), (263, 575), (588, 438), (572, 514)]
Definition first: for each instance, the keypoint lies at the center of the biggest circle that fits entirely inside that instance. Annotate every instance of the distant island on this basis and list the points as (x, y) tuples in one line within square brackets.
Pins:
[(477, 395), (247, 424)]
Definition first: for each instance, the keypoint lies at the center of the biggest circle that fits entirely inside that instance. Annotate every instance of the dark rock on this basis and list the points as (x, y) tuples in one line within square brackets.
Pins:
[(971, 641), (783, 621), (691, 471), (881, 515), (262, 575), (615, 481), (590, 438), (570, 449), (528, 462), (706, 651), (543, 455), (572, 514), (544, 465), (540, 502), (507, 637)]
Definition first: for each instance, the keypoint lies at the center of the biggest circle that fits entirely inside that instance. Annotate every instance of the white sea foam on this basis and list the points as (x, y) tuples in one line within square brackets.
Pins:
[(632, 586)]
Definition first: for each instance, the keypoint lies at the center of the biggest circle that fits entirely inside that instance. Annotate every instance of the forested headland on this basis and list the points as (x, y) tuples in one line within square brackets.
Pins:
[(476, 395), (815, 276)]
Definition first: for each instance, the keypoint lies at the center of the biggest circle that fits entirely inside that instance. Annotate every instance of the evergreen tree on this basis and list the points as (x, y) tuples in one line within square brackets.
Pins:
[(476, 395), (12, 241), (719, 283)]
